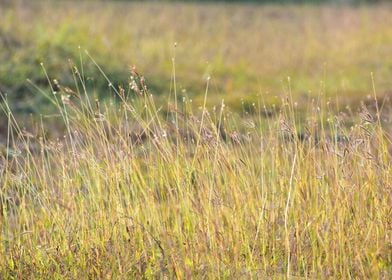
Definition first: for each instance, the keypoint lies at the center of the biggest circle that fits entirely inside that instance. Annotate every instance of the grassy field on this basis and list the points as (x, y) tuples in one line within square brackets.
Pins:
[(248, 50), (131, 192), (258, 146)]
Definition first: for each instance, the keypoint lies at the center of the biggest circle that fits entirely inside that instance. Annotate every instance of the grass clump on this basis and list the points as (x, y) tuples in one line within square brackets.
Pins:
[(134, 189)]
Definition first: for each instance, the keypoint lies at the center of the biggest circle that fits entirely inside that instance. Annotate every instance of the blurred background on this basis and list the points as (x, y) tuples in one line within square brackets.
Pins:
[(248, 48)]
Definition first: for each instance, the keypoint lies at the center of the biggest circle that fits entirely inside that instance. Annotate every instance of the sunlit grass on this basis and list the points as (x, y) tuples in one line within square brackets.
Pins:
[(136, 189)]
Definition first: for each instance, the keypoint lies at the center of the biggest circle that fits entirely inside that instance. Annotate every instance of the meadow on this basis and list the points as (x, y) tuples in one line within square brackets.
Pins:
[(234, 141), (247, 49)]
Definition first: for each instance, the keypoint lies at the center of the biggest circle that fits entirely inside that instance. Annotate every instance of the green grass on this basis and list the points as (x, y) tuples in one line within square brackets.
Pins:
[(133, 190), (248, 49)]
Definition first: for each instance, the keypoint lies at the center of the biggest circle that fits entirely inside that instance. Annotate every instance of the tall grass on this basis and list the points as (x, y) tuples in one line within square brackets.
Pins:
[(134, 189)]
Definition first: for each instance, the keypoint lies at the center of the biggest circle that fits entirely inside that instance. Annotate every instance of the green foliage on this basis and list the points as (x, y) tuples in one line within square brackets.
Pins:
[(246, 49)]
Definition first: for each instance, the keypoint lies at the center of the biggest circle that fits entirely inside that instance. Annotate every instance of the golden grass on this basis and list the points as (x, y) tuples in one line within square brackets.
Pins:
[(134, 190)]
